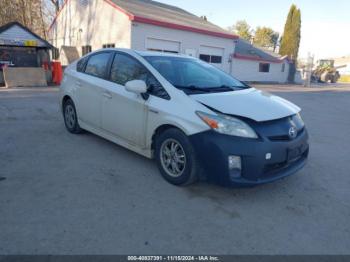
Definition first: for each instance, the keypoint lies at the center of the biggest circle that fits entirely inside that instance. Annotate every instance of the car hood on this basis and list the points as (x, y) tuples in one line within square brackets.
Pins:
[(250, 103)]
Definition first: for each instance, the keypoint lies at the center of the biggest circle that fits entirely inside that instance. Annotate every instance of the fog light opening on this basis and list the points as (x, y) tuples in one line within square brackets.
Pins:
[(234, 166)]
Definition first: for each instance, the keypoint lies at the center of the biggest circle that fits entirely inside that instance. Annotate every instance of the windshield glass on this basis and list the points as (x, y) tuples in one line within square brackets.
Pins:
[(193, 75)]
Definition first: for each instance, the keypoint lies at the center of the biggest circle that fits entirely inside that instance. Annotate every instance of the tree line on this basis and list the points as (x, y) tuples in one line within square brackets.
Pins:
[(267, 38)]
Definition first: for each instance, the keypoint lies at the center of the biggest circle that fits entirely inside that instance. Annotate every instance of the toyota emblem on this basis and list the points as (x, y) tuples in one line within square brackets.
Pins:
[(293, 132)]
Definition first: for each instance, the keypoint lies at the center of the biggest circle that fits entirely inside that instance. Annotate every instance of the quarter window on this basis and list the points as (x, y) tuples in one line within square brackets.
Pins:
[(81, 64), (97, 65), (125, 68)]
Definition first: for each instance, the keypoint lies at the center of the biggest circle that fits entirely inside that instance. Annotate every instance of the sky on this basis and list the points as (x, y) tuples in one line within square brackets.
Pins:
[(325, 29)]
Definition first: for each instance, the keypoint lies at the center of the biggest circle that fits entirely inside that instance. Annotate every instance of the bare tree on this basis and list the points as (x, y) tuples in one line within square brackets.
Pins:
[(29, 13), (57, 5)]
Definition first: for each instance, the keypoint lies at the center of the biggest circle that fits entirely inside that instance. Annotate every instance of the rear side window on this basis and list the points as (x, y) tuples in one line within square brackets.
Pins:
[(126, 68), (98, 65)]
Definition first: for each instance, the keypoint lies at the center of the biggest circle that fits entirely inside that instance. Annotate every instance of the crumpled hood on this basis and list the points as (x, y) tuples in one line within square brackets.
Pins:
[(250, 103)]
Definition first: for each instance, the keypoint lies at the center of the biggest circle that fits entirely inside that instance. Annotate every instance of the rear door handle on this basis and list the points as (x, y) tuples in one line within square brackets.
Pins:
[(107, 95), (78, 83)]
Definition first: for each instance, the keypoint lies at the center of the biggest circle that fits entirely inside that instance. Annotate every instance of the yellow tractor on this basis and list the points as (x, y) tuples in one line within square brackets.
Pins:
[(326, 71)]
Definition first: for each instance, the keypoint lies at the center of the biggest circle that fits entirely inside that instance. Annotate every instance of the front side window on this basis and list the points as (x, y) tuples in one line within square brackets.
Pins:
[(126, 68), (193, 75), (97, 65)]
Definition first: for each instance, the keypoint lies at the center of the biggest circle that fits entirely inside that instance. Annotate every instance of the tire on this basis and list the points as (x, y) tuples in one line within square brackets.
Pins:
[(70, 117), (183, 155)]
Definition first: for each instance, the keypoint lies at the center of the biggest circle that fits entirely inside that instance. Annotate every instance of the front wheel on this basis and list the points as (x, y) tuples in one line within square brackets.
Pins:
[(176, 158)]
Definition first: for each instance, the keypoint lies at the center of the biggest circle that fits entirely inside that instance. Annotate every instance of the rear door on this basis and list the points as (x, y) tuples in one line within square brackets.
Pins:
[(89, 84)]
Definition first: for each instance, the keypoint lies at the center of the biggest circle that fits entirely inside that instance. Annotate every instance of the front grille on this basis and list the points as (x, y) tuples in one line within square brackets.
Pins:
[(285, 137), (271, 169)]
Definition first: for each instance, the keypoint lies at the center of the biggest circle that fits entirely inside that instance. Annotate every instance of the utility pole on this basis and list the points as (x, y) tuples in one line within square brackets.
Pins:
[(308, 71)]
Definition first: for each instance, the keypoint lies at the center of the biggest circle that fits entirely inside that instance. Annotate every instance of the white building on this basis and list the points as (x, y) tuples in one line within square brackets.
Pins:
[(90, 25), (256, 65)]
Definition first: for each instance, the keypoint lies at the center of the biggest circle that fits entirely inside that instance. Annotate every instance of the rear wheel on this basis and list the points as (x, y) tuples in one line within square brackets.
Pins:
[(70, 117), (176, 158)]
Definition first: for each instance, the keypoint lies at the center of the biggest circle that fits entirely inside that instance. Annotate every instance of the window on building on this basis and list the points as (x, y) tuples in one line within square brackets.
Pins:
[(125, 68), (97, 65), (55, 53), (213, 59), (216, 59), (163, 50), (205, 58), (283, 67), (264, 67), (86, 49), (108, 46)]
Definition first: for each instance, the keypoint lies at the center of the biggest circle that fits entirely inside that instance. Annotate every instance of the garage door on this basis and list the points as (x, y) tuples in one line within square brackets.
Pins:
[(212, 55), (161, 45)]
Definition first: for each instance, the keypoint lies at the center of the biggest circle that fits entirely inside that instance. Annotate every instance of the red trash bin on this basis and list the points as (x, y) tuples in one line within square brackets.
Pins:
[(57, 73)]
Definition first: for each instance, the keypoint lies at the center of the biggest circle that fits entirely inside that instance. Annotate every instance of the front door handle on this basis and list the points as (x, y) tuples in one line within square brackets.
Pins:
[(107, 95)]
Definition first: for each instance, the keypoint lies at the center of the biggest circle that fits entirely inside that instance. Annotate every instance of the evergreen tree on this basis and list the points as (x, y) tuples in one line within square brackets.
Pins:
[(291, 37), (266, 37)]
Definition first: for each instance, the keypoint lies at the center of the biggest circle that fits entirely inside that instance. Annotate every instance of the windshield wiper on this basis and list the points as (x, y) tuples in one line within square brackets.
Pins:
[(193, 88), (223, 88), (227, 87)]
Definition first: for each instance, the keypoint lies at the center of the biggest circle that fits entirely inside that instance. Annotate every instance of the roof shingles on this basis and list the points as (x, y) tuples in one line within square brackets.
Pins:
[(148, 10), (245, 50)]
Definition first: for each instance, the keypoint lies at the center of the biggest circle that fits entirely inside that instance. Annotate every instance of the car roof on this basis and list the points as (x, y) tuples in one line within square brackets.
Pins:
[(144, 53), (155, 53)]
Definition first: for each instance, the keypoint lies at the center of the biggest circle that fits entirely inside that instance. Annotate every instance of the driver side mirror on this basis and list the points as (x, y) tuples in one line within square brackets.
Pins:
[(136, 86)]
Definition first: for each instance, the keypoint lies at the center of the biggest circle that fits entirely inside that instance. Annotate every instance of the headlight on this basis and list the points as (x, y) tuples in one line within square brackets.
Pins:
[(299, 121), (227, 125)]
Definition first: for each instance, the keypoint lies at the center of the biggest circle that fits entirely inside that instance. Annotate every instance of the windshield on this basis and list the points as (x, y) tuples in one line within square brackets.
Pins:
[(193, 75)]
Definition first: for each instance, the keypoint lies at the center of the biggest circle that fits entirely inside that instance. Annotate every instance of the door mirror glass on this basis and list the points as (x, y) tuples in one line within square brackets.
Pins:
[(136, 86)]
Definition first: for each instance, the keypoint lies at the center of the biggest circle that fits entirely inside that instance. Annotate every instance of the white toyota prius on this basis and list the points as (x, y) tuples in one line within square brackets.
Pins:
[(195, 120)]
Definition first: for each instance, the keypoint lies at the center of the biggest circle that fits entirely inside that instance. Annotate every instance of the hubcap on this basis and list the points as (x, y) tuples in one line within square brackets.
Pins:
[(69, 115), (173, 157)]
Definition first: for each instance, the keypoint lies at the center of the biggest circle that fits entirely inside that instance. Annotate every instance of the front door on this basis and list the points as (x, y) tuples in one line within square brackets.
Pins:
[(124, 113)]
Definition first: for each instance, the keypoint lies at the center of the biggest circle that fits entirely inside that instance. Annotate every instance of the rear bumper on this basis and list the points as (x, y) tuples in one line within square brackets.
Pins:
[(213, 150)]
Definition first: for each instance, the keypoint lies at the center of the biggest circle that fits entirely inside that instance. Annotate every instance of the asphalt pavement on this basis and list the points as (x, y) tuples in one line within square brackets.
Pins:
[(80, 194)]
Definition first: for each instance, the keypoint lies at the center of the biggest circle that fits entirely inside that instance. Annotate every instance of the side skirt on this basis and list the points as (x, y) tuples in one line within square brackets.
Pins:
[(115, 139)]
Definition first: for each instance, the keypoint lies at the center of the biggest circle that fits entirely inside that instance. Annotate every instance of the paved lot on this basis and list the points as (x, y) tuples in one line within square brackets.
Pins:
[(69, 194)]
